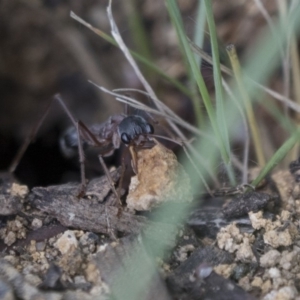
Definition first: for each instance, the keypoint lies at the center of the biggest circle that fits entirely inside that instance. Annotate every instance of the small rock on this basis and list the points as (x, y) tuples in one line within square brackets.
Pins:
[(88, 238), (277, 238), (257, 220), (285, 293), (287, 259), (266, 287), (40, 246), (244, 252), (244, 282), (92, 273), (274, 273), (203, 271), (229, 238), (71, 262), (32, 247), (257, 282), (36, 223), (182, 253), (270, 259), (225, 270), (19, 190), (10, 238), (66, 242)]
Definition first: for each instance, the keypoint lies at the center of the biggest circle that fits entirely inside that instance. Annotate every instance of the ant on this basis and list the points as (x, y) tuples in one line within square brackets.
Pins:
[(131, 130)]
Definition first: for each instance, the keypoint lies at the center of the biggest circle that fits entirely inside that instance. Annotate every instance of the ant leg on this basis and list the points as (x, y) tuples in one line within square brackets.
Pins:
[(123, 166), (112, 184), (93, 140), (65, 108), (91, 137), (78, 125), (81, 162), (133, 159), (30, 138)]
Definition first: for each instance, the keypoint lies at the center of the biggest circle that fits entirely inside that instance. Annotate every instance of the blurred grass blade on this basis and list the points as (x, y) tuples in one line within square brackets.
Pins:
[(277, 157), (139, 35), (199, 40), (247, 104), (137, 28), (223, 126), (177, 21), (200, 29), (217, 74), (137, 56), (228, 71)]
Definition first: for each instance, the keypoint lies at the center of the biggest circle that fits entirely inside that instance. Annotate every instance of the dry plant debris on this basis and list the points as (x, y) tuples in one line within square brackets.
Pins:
[(160, 178)]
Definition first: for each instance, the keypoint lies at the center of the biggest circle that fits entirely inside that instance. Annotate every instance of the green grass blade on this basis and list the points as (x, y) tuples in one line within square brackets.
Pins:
[(277, 157), (200, 29), (139, 34), (177, 21), (223, 127)]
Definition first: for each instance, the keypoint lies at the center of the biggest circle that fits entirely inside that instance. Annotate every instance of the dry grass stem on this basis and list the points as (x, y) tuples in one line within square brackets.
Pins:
[(248, 106), (247, 136)]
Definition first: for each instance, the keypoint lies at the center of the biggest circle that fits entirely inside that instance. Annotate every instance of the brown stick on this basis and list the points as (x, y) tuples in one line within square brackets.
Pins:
[(61, 203)]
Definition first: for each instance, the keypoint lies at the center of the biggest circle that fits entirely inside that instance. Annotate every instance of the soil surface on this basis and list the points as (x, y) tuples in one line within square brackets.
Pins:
[(55, 245)]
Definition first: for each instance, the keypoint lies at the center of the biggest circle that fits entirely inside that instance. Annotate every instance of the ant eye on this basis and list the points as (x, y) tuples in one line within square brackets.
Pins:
[(125, 138), (149, 128)]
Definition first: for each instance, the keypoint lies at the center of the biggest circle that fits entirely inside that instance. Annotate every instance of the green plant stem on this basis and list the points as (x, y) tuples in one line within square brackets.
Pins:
[(139, 34), (177, 21), (200, 29), (223, 126), (277, 157)]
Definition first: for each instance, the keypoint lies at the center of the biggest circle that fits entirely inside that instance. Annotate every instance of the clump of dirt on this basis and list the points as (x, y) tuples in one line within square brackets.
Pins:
[(160, 178)]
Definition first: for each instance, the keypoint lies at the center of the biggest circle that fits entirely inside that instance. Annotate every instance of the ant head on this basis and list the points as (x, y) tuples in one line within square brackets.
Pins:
[(134, 130)]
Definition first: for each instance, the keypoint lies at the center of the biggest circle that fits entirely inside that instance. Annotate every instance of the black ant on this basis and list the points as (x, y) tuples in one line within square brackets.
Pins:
[(132, 130)]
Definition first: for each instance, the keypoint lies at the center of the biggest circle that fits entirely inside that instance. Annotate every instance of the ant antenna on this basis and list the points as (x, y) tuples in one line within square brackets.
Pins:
[(29, 139)]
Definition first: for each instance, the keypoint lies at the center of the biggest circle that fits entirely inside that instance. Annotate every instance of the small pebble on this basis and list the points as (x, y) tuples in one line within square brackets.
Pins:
[(10, 238), (36, 223), (66, 242)]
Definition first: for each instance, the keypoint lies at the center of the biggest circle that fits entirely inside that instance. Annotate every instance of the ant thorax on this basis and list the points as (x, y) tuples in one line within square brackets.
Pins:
[(134, 129)]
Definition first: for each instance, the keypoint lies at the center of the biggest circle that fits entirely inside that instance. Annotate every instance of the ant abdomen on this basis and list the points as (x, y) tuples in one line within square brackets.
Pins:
[(68, 142)]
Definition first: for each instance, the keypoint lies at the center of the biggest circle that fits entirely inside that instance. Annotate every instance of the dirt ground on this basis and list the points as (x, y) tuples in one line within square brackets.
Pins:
[(57, 246)]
